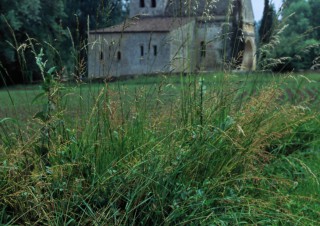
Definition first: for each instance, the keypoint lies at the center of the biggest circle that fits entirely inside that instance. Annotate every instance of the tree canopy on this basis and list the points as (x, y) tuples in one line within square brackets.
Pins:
[(301, 39), (59, 27), (267, 22)]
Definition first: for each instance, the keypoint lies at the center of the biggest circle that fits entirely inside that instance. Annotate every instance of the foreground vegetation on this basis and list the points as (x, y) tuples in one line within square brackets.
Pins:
[(208, 149)]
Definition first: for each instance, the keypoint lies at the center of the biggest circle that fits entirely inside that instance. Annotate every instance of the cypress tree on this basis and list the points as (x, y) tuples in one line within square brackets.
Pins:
[(266, 27)]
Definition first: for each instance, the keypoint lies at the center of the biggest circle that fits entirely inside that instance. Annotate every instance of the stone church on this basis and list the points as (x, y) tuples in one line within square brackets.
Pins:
[(175, 36)]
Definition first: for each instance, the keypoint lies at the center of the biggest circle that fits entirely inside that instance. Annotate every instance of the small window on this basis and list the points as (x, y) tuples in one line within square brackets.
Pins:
[(202, 49), (142, 4), (101, 55), (155, 50), (141, 51), (153, 3), (119, 55)]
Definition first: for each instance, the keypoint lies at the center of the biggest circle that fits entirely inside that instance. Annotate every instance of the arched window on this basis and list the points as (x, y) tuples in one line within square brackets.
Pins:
[(155, 50), (202, 49), (101, 55), (142, 4), (153, 3)]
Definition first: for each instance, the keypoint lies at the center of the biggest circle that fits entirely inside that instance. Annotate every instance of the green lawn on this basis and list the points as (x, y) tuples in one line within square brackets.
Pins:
[(19, 101)]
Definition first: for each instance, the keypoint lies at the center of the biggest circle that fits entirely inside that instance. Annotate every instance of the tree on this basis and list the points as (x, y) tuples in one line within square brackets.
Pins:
[(38, 19), (17, 18), (315, 19), (267, 22), (59, 27), (237, 39), (300, 40)]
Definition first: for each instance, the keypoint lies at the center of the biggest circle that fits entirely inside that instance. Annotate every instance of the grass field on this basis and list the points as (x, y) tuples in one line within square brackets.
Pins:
[(212, 149), (297, 89)]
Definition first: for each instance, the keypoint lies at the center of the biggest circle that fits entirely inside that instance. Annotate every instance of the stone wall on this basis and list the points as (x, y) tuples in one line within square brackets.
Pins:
[(113, 55), (209, 38), (203, 44), (182, 48), (142, 53)]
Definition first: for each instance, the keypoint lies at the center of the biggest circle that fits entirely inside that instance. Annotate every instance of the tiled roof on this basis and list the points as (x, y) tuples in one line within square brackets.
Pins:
[(145, 24)]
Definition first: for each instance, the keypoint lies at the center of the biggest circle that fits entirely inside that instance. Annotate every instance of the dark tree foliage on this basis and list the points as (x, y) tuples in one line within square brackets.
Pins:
[(237, 40), (85, 15), (92, 14), (21, 19), (315, 18), (59, 27), (267, 22), (300, 40)]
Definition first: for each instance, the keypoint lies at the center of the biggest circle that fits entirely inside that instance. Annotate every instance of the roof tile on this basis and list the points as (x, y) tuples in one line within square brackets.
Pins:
[(146, 24)]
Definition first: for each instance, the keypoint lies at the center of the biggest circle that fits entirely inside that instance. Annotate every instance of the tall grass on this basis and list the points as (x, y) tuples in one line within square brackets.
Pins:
[(135, 159), (198, 149)]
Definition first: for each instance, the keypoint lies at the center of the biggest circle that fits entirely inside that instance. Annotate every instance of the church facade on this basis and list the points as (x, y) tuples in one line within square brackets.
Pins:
[(175, 36)]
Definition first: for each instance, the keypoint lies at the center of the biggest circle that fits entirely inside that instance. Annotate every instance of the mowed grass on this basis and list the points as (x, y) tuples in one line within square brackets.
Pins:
[(212, 149), (21, 102)]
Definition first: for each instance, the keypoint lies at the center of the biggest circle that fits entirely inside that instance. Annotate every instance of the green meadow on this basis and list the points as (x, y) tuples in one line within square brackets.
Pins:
[(296, 88), (207, 149)]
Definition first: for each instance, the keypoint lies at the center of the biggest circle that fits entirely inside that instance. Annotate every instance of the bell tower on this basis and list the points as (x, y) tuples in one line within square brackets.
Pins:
[(147, 7)]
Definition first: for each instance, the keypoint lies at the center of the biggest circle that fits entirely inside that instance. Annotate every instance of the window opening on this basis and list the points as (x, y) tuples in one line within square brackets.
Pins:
[(153, 3), (202, 49), (141, 51), (101, 55), (155, 50), (119, 55), (142, 4)]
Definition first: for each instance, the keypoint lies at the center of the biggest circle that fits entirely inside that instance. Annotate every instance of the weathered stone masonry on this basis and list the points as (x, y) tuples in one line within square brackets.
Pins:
[(168, 36)]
